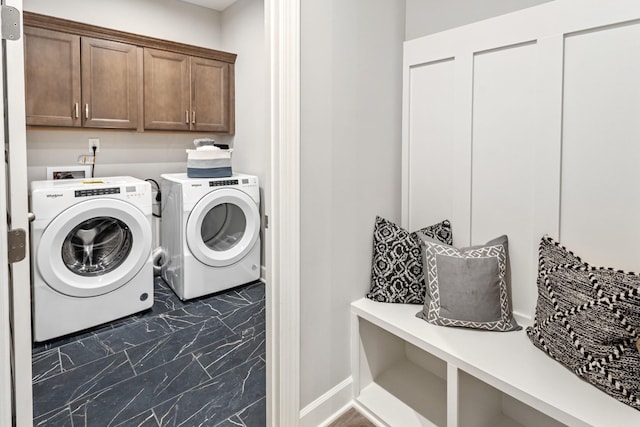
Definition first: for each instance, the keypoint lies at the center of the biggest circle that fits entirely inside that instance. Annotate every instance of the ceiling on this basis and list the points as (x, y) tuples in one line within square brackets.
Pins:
[(218, 5)]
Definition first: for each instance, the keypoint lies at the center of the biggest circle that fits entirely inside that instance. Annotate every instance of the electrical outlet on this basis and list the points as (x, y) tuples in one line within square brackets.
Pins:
[(94, 142)]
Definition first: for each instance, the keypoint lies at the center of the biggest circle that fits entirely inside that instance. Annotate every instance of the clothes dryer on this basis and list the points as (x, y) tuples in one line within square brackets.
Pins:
[(91, 253), (210, 233)]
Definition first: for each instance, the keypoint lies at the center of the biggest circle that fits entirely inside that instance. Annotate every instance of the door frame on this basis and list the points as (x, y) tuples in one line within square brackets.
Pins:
[(6, 383), (283, 237), (20, 294)]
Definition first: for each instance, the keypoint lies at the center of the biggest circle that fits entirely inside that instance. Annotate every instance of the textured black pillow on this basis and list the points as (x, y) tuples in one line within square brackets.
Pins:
[(588, 319), (396, 270)]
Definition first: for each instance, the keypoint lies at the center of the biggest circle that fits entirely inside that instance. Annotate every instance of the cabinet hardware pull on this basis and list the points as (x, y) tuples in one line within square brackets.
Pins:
[(76, 108), (86, 111), (193, 117), (186, 117)]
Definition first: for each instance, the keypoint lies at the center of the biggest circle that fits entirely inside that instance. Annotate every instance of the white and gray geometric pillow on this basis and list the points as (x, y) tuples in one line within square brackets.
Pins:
[(588, 319), (396, 269), (468, 287)]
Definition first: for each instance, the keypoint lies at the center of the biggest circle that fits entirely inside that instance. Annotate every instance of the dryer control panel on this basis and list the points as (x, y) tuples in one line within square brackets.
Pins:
[(223, 183)]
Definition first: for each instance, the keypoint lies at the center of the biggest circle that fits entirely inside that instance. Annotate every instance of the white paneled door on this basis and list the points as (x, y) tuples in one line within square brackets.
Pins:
[(15, 300)]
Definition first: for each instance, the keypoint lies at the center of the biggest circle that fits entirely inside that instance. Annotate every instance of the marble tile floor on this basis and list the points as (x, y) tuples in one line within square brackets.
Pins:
[(194, 363)]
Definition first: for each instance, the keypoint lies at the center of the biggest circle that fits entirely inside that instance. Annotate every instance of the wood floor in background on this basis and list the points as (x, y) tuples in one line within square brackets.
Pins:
[(352, 418)]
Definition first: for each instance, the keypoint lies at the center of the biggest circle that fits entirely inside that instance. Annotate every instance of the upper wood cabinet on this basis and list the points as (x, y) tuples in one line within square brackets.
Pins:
[(212, 96), (81, 75), (167, 103), (79, 81), (52, 77), (109, 84), (183, 92)]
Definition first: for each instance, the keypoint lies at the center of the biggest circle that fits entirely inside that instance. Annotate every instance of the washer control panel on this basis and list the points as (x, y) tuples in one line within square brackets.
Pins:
[(97, 192), (132, 191)]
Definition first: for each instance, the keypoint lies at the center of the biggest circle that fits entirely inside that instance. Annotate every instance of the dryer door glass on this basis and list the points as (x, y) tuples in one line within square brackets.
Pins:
[(97, 246), (223, 227)]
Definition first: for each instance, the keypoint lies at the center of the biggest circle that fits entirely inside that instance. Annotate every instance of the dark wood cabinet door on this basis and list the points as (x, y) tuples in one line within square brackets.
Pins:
[(109, 84), (166, 90), (52, 77), (212, 108)]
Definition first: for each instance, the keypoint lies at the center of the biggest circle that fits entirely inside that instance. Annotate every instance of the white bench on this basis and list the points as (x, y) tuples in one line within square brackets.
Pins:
[(408, 372)]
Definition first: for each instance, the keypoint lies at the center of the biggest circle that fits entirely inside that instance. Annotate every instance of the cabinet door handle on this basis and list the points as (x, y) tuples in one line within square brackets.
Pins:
[(77, 110), (86, 111), (193, 117), (186, 117)]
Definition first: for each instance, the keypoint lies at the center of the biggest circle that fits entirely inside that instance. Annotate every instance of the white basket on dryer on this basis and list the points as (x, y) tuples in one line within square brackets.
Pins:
[(208, 160)]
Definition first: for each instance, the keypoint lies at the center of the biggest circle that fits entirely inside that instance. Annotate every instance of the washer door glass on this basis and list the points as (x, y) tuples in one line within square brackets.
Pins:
[(97, 246), (223, 227), (94, 247)]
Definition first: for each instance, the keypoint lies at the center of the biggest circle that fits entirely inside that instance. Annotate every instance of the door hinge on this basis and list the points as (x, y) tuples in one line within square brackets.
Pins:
[(10, 21), (17, 242)]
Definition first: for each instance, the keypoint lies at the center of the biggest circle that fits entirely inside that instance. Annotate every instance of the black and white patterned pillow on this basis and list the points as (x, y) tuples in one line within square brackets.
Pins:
[(588, 319), (396, 271)]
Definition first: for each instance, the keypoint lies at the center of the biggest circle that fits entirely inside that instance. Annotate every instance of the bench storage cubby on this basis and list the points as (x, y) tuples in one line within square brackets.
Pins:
[(410, 373)]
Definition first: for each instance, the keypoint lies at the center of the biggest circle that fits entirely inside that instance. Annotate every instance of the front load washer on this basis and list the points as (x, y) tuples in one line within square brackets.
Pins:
[(210, 233), (91, 248)]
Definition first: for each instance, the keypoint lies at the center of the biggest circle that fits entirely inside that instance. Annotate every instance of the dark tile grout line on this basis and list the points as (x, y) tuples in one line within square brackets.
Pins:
[(133, 367), (197, 359)]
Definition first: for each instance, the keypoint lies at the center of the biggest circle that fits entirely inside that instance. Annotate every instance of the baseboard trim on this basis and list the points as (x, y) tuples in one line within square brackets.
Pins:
[(337, 415), (329, 406)]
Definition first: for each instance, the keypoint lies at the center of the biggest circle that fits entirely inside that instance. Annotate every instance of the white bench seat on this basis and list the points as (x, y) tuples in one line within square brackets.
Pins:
[(409, 372)]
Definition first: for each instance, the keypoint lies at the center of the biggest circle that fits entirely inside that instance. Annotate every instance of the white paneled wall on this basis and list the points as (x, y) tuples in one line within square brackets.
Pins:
[(525, 126), (600, 207), (431, 118), (504, 85)]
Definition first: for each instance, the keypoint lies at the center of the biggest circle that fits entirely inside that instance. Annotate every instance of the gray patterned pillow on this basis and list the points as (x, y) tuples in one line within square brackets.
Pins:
[(588, 319), (396, 270), (468, 287)]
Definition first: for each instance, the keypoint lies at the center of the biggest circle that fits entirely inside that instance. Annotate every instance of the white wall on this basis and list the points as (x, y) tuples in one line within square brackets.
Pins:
[(242, 32), (351, 83), (430, 16), (164, 19)]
